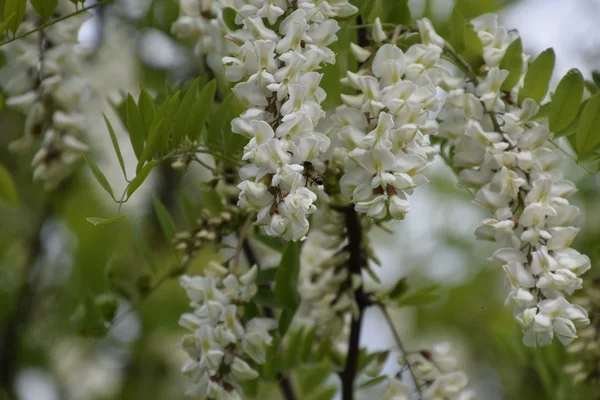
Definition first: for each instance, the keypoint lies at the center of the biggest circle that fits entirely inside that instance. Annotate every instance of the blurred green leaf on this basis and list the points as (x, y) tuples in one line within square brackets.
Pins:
[(8, 190), (200, 111), (107, 304), (8, 22), (566, 100), (147, 109), (271, 242), (151, 144), (135, 126), (188, 209), (538, 76), (265, 298), (421, 297), (513, 63), (87, 320), (596, 78), (167, 224), (217, 123), (229, 15), (45, 8), (572, 128), (399, 289), (212, 201), (266, 276), (374, 381), (473, 52), (183, 115), (100, 177), (96, 221), (115, 143), (457, 30), (16, 7), (286, 280), (285, 320), (140, 178), (588, 132)]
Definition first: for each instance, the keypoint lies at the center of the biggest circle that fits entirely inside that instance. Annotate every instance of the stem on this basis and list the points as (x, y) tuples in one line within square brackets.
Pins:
[(390, 323), (355, 263), (285, 384), (46, 25)]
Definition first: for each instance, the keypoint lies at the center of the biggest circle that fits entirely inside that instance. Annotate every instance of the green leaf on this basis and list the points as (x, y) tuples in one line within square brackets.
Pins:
[(265, 298), (183, 112), (266, 276), (200, 111), (513, 63), (373, 381), (399, 289), (7, 22), (457, 30), (115, 143), (104, 221), (166, 112), (307, 344), (45, 8), (566, 100), (87, 320), (16, 7), (571, 130), (8, 190), (188, 209), (397, 12), (285, 320), (99, 175), (229, 15), (212, 201), (140, 178), (167, 224), (286, 280), (591, 86), (292, 350), (588, 132), (135, 126), (107, 304), (473, 45), (151, 144), (217, 123), (147, 109), (596, 78), (538, 77), (232, 142), (421, 297)]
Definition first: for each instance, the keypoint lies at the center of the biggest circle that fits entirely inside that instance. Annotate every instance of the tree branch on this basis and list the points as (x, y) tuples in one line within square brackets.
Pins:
[(355, 264), (285, 385), (390, 323)]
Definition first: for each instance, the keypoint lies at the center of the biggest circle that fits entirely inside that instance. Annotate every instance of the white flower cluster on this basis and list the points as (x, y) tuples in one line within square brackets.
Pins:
[(326, 285), (221, 341), (506, 154), (202, 21), (44, 84), (384, 127), (278, 82), (437, 375)]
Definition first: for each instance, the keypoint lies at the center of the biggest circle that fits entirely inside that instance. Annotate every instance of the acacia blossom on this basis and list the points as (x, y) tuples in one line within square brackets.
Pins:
[(435, 373), (505, 152), (202, 21), (46, 86), (278, 82), (384, 127), (222, 343)]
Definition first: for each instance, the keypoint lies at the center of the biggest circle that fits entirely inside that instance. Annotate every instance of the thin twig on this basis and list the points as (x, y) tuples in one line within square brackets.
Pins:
[(398, 340), (356, 262), (56, 21)]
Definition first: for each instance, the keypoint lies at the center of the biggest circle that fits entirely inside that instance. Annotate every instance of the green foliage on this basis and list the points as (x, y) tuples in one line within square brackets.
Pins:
[(566, 100), (115, 143), (99, 175), (420, 297), (16, 7), (167, 224), (200, 110), (45, 8), (538, 77), (8, 191), (513, 63), (588, 131), (286, 281), (457, 30), (229, 15), (96, 221), (140, 178)]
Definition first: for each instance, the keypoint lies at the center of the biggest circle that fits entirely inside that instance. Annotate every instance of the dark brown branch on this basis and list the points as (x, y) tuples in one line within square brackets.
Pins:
[(285, 384), (355, 264)]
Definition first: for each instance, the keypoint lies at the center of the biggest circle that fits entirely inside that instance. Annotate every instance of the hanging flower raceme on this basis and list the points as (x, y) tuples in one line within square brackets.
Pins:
[(436, 374), (222, 343), (505, 152), (279, 84), (45, 86), (202, 22), (384, 127)]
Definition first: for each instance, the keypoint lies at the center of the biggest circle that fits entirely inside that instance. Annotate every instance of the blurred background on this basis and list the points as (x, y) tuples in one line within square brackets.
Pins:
[(54, 264)]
